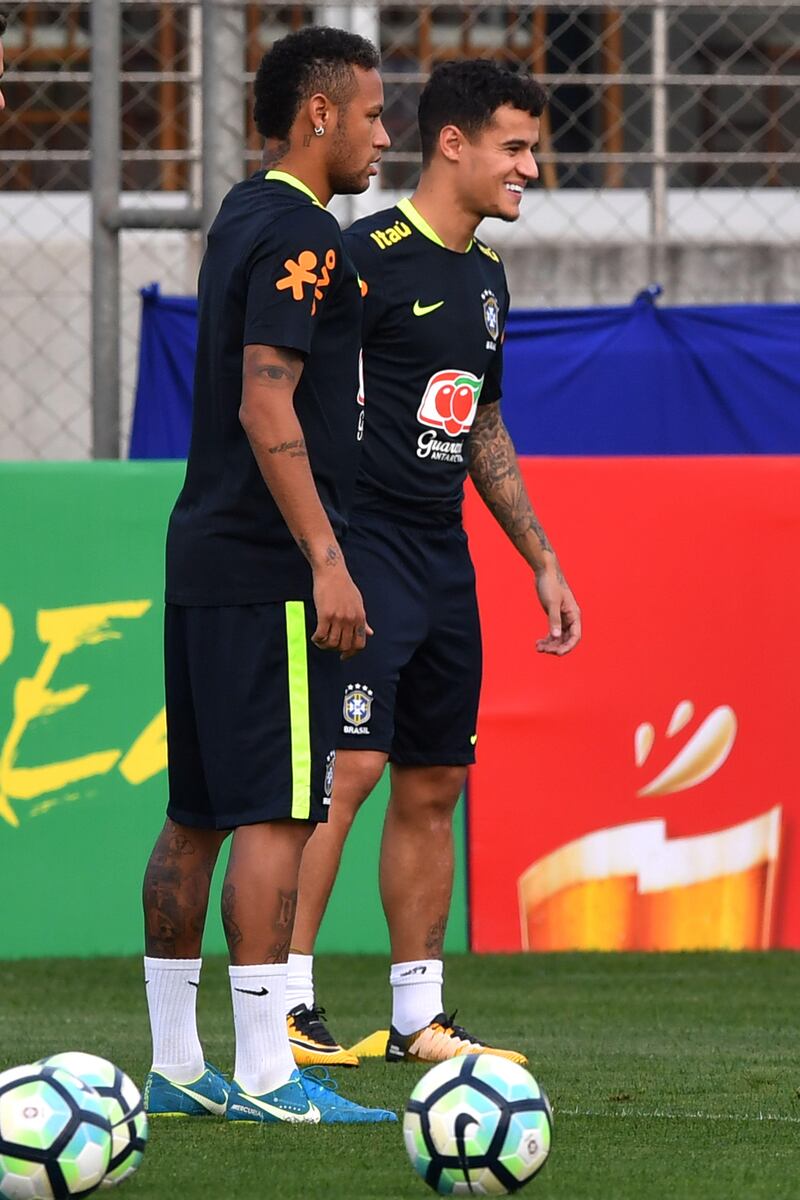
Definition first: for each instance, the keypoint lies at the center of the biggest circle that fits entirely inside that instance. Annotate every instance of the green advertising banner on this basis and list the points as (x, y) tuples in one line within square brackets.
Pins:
[(82, 730)]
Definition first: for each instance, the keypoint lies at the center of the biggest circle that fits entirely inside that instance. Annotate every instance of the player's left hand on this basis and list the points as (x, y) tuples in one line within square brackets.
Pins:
[(563, 614)]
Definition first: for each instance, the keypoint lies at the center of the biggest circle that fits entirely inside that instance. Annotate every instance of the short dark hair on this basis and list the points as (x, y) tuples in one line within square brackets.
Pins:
[(3, 23), (468, 93), (315, 59)]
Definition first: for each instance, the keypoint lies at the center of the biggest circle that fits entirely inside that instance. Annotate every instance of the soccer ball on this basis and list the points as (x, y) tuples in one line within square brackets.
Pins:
[(55, 1138), (123, 1105), (477, 1124)]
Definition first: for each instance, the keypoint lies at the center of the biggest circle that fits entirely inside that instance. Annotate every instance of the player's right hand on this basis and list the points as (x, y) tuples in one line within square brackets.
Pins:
[(341, 619)]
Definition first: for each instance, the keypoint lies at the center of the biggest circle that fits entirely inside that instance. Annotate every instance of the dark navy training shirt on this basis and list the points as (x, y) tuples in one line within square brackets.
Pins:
[(275, 273), (433, 327)]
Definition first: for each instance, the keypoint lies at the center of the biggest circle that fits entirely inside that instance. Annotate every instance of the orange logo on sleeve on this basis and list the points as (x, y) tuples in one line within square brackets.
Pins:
[(304, 271)]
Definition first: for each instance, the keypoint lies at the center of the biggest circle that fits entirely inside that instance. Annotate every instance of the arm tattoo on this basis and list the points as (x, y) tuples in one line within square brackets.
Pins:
[(495, 472), (333, 555), (270, 366), (296, 449)]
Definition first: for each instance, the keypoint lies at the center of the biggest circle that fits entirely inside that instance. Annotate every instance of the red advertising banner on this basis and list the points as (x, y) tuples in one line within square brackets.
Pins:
[(643, 792)]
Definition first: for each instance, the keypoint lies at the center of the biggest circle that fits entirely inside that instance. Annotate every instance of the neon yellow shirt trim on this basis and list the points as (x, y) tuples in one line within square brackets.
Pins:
[(293, 181), (419, 222)]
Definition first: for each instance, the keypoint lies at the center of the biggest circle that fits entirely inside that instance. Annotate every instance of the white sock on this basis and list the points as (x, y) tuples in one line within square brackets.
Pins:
[(416, 993), (300, 980), (171, 986), (263, 1054)]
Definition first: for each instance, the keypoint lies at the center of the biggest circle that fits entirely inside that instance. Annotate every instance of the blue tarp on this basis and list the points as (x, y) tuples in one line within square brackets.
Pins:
[(162, 414), (591, 381)]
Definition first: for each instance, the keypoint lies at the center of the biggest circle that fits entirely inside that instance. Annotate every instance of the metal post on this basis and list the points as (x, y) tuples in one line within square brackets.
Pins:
[(658, 191), (195, 197), (105, 147), (223, 103)]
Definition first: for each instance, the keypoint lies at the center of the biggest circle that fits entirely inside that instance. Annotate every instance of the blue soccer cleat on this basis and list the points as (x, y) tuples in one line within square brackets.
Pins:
[(290, 1102), (335, 1109), (203, 1097)]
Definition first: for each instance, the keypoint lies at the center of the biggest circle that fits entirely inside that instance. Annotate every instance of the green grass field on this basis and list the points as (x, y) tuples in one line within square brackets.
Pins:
[(670, 1075)]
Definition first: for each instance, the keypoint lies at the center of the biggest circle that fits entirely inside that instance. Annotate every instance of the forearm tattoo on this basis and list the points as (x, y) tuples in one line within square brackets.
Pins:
[(295, 449), (495, 472), (332, 557)]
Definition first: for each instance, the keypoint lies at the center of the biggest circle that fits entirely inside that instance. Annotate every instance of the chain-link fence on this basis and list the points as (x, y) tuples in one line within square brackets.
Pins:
[(668, 150)]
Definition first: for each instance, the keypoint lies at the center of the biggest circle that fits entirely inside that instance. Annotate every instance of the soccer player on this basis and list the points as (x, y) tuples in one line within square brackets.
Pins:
[(434, 316), (260, 604)]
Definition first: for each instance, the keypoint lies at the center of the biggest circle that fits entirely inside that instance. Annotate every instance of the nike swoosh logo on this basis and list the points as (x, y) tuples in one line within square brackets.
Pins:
[(210, 1105), (274, 1110), (463, 1122), (249, 991), (192, 983), (422, 310)]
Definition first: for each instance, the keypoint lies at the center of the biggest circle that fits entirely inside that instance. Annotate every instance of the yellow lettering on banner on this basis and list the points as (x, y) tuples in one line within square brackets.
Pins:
[(6, 633), (62, 630), (148, 754)]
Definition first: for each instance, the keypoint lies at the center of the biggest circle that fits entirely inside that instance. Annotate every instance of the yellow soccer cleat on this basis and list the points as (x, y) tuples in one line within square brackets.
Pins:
[(440, 1040), (312, 1043)]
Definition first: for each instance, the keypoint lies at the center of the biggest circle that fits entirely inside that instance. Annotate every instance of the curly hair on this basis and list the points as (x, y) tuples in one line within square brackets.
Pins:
[(315, 59), (468, 93), (3, 23)]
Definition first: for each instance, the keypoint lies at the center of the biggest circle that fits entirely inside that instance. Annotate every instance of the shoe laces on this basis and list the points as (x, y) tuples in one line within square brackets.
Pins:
[(321, 1076), (450, 1027), (310, 1021)]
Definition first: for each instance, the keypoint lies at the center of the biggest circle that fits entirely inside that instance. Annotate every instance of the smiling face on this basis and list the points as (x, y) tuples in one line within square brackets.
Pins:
[(359, 138), (497, 163)]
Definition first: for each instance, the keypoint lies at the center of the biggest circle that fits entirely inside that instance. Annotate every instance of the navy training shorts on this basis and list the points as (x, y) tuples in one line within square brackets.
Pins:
[(252, 714), (413, 692)]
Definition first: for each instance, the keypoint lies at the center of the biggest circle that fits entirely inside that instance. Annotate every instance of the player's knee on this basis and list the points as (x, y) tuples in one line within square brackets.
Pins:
[(433, 791), (357, 773)]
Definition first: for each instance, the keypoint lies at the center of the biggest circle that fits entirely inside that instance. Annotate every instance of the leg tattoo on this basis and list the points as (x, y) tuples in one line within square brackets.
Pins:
[(175, 892)]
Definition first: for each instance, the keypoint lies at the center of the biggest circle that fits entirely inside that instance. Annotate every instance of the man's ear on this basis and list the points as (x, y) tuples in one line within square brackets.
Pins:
[(318, 108), (451, 142)]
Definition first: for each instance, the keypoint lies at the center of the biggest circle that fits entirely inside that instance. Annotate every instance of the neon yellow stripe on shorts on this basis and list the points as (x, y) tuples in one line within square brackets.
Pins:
[(299, 720)]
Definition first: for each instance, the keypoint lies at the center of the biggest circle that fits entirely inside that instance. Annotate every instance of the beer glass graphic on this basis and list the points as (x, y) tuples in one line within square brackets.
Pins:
[(632, 888)]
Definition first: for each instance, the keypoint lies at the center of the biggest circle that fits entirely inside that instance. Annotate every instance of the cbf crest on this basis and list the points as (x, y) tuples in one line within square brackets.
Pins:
[(357, 708), (491, 314), (330, 767)]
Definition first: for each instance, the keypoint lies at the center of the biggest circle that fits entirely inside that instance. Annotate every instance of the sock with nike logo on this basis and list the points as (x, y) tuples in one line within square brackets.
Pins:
[(416, 993), (263, 1054), (171, 987)]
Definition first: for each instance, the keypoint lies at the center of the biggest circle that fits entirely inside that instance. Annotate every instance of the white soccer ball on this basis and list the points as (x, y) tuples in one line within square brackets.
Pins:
[(55, 1137), (123, 1106), (477, 1124)]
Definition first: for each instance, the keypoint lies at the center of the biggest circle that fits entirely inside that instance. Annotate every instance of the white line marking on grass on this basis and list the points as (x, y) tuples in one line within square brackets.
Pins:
[(661, 1114)]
